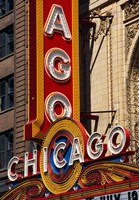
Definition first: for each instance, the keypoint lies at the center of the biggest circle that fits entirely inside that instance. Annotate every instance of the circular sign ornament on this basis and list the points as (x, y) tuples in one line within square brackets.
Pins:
[(61, 179)]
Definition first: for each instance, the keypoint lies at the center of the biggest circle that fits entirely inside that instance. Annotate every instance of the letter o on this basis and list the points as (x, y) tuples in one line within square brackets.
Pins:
[(57, 98), (113, 146)]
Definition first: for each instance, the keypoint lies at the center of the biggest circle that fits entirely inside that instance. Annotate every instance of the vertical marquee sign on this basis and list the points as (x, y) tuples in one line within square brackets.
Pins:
[(53, 65)]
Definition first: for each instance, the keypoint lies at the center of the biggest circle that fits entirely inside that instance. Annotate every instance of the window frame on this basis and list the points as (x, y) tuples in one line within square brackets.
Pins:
[(7, 6), (5, 94), (7, 152), (6, 47)]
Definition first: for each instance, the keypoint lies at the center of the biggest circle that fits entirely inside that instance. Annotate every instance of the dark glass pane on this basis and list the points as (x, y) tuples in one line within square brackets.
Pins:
[(10, 47), (10, 35), (2, 88), (2, 45), (11, 85), (2, 51), (7, 93), (6, 41), (10, 40), (2, 151), (10, 5), (6, 148), (2, 103), (9, 146), (2, 160), (2, 8), (2, 39), (11, 100), (5, 6), (10, 32), (2, 143), (8, 156), (10, 141), (2, 1)]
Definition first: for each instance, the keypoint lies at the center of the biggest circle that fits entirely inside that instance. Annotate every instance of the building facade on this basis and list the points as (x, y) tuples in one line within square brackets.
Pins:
[(109, 73), (113, 66), (13, 81)]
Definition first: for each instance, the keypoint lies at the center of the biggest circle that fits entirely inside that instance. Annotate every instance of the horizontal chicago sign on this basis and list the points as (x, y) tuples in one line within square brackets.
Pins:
[(65, 149)]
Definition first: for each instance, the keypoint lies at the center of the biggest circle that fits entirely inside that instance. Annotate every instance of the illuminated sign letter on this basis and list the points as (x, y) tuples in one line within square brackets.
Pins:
[(63, 72), (76, 152), (52, 102), (56, 21), (11, 165), (45, 151), (116, 145), (59, 163), (95, 149), (32, 162)]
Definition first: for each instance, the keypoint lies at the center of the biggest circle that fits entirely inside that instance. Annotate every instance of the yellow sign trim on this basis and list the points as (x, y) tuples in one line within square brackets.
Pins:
[(75, 60)]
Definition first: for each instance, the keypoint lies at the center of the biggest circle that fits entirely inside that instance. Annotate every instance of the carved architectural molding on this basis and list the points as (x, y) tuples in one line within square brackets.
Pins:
[(102, 29), (131, 31), (132, 85), (102, 20), (131, 10)]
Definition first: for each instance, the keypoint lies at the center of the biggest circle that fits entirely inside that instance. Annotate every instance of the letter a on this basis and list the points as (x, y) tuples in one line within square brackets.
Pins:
[(76, 152), (56, 21)]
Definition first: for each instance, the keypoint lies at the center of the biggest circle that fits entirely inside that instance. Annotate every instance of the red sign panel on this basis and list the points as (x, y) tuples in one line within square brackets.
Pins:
[(53, 65)]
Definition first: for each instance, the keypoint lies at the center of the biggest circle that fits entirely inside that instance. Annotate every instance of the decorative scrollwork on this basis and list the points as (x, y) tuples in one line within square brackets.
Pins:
[(29, 189), (106, 173), (131, 31), (103, 22), (131, 10)]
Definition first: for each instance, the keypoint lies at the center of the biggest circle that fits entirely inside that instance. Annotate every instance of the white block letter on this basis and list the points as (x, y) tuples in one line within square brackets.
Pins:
[(45, 151), (11, 166), (63, 72), (32, 162), (95, 148), (52, 101), (59, 163), (56, 21), (76, 152), (116, 145)]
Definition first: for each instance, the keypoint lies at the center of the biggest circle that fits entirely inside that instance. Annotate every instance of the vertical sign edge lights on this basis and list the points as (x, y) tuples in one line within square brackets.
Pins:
[(75, 59)]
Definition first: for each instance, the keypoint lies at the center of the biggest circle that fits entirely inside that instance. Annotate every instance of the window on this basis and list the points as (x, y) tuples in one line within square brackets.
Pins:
[(6, 93), (5, 6), (6, 148), (6, 41)]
